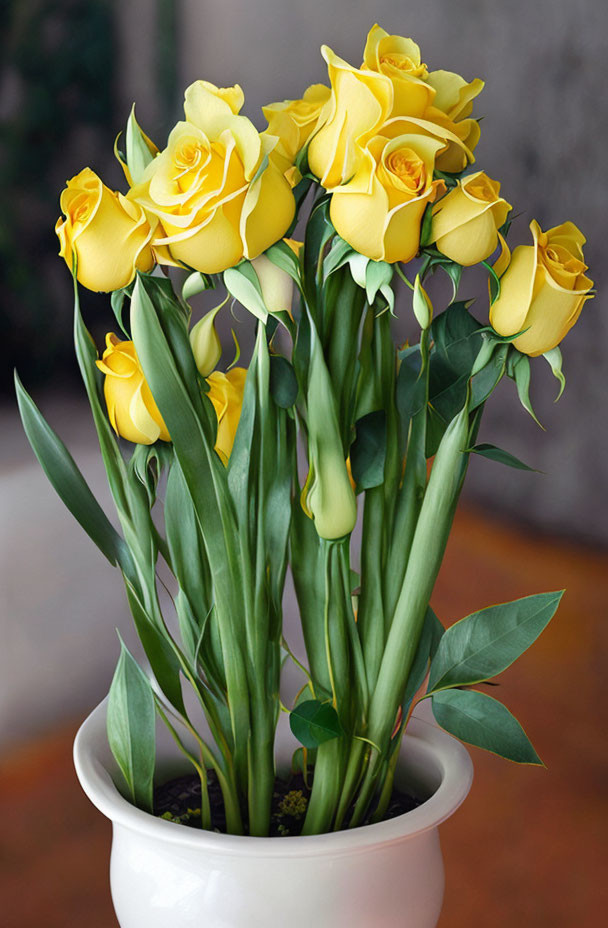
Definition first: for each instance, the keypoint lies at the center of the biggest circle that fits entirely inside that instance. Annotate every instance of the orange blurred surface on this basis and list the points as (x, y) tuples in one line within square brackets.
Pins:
[(527, 846)]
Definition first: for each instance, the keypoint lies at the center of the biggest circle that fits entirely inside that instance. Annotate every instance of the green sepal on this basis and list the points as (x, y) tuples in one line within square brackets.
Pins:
[(554, 359)]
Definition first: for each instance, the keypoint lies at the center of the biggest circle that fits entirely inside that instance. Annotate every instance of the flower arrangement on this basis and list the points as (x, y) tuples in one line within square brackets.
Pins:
[(232, 477)]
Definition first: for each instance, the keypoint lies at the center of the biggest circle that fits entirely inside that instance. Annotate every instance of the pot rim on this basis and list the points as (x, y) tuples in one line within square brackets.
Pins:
[(423, 742)]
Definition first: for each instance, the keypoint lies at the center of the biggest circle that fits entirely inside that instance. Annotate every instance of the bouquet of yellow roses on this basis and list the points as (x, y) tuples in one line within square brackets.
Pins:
[(230, 478)]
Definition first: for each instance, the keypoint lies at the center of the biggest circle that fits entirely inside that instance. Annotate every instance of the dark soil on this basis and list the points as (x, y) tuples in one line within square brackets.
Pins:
[(179, 800)]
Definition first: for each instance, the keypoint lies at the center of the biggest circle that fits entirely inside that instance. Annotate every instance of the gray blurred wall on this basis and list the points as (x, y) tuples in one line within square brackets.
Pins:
[(544, 64)]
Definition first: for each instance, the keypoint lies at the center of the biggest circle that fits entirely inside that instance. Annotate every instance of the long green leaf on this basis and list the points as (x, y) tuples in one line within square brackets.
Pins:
[(131, 729), (67, 480), (480, 720), (487, 642), (499, 455)]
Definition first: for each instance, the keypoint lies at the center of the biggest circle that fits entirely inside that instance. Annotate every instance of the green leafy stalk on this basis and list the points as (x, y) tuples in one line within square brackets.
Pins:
[(428, 546)]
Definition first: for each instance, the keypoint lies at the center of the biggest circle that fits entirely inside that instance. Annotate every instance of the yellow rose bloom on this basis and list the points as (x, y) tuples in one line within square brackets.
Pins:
[(132, 411), (217, 196), (466, 221), (359, 104), (452, 107), (379, 212), (226, 394), (543, 289), (107, 234), (292, 122), (399, 59)]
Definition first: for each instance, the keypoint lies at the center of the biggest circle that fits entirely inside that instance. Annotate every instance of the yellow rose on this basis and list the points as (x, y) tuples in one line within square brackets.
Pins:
[(276, 284), (217, 196), (359, 104), (466, 221), (399, 59), (107, 234), (131, 408), (452, 107), (379, 212), (293, 122), (543, 289), (226, 393)]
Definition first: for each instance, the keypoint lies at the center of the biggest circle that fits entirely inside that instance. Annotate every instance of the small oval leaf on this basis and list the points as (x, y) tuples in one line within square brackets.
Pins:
[(314, 722)]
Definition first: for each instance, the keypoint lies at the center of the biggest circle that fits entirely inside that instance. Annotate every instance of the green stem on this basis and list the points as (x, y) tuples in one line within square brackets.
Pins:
[(425, 560)]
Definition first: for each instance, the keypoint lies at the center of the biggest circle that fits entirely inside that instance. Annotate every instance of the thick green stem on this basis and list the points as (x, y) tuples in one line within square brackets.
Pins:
[(428, 547)]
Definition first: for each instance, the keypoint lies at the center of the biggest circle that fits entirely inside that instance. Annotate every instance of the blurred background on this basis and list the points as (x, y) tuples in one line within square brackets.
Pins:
[(69, 72)]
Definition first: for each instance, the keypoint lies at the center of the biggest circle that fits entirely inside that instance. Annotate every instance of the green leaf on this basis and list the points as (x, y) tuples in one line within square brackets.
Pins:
[(282, 255), (337, 256), (432, 633), (283, 382), (487, 642), (411, 387), (313, 723), (368, 451), (554, 359), (457, 337), (243, 284), (158, 647), (67, 480), (480, 720), (497, 454), (487, 379), (131, 729)]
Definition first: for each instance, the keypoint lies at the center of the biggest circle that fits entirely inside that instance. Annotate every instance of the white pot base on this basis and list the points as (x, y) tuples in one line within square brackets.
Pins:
[(388, 875)]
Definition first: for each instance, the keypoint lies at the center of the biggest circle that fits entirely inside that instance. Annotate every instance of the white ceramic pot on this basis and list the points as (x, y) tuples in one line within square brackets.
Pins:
[(389, 875)]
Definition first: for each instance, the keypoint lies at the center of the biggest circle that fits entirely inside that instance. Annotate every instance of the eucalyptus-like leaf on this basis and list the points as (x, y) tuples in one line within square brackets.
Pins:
[(131, 727), (487, 642), (243, 284), (484, 722), (313, 723), (368, 451), (283, 382), (498, 454)]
